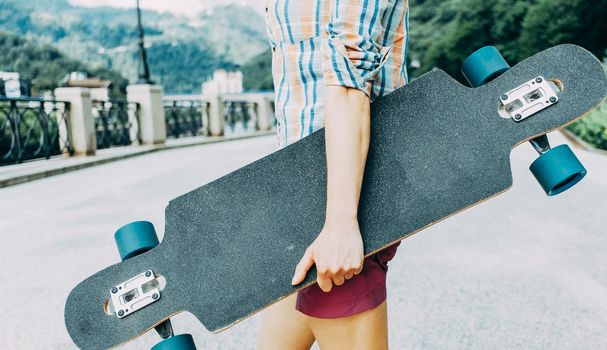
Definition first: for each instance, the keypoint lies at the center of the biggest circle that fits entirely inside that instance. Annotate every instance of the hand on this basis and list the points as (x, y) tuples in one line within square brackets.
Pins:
[(337, 252)]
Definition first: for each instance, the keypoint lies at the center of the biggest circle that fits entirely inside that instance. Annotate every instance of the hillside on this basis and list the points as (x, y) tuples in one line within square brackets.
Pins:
[(182, 51), (445, 32), (43, 66), (257, 73)]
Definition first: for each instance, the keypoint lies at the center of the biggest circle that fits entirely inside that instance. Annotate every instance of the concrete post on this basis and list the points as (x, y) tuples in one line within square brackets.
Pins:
[(152, 125), (264, 112), (216, 118), (82, 124)]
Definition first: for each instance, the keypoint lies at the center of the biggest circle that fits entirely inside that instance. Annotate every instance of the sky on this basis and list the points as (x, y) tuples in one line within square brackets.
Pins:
[(181, 7)]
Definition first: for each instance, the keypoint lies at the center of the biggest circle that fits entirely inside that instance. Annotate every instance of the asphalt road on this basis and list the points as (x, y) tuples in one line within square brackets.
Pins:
[(521, 271)]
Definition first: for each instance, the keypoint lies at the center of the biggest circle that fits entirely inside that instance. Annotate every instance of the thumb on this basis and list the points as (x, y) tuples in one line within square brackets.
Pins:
[(302, 267)]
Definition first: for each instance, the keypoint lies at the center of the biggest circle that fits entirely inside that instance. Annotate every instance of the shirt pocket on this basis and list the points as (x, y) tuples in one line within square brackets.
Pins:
[(293, 21)]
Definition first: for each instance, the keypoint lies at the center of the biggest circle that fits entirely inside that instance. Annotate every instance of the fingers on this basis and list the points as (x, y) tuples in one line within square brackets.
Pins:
[(327, 277), (302, 267), (324, 282), (338, 280)]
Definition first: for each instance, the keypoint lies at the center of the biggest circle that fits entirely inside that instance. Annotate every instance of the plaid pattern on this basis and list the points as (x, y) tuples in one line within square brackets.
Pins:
[(359, 44)]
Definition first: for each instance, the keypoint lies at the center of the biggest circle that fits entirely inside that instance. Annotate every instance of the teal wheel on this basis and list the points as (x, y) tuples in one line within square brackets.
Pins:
[(135, 238), (484, 65), (178, 342), (557, 170)]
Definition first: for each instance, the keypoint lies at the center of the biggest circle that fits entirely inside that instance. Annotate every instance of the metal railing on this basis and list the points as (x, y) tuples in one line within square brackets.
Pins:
[(238, 115), (242, 112), (33, 128), (116, 123), (186, 118), (191, 115)]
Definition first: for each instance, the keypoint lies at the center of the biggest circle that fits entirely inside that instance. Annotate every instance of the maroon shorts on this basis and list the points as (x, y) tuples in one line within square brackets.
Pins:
[(362, 292)]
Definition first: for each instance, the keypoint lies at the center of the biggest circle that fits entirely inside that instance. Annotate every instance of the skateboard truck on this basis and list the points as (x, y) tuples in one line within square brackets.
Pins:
[(135, 294), (541, 144), (529, 98)]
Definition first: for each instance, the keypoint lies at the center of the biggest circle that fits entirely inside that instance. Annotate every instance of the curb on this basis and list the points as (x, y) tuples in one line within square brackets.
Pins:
[(37, 174)]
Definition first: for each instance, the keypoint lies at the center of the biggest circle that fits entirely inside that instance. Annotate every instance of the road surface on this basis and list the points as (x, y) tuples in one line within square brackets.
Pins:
[(520, 271)]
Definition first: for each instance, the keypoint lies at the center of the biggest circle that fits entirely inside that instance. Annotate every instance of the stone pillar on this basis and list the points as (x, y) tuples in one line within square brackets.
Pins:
[(264, 112), (152, 125), (82, 124), (216, 118)]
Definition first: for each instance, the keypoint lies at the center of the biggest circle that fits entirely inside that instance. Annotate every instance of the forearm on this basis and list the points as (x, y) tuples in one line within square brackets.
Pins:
[(338, 250), (347, 128)]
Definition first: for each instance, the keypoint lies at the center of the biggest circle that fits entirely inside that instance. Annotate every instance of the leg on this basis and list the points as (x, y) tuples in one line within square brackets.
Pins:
[(353, 315), (283, 327), (367, 330)]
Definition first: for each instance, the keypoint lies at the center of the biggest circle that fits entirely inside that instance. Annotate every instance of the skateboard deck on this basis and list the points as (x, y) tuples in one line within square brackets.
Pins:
[(230, 246)]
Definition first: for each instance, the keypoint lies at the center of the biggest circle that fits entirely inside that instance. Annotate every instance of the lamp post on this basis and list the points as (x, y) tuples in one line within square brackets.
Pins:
[(144, 69)]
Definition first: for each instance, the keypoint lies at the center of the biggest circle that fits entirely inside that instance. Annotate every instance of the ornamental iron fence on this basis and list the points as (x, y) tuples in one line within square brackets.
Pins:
[(116, 123), (186, 118), (32, 128), (239, 115)]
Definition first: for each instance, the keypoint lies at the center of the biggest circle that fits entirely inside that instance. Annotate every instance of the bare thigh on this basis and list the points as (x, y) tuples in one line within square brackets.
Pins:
[(366, 331), (285, 328)]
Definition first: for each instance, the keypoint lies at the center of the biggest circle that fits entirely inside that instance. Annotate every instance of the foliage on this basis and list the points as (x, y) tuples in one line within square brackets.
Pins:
[(258, 72), (118, 35), (593, 127), (445, 32), (552, 22), (191, 59), (44, 66)]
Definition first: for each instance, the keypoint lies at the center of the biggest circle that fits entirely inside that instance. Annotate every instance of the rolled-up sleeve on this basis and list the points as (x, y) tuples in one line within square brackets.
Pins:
[(352, 52)]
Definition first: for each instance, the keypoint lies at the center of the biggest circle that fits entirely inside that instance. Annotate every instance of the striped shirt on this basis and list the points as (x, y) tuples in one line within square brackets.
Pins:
[(315, 43)]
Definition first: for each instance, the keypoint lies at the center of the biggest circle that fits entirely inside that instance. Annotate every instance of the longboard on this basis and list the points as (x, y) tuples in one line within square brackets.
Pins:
[(230, 247)]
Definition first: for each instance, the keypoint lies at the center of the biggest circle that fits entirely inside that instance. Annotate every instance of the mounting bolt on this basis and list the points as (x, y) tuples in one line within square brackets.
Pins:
[(518, 117), (148, 273), (552, 99), (121, 313), (504, 97), (538, 80), (155, 296), (114, 290)]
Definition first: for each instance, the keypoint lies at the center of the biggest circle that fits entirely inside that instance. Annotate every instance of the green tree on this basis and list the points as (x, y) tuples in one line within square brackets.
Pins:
[(468, 31), (553, 22), (506, 28), (44, 66), (181, 66), (444, 33), (258, 72)]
